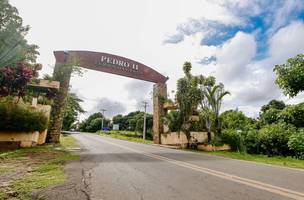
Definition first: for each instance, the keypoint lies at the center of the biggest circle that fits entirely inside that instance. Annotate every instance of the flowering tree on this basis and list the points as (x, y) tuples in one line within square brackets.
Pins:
[(14, 79)]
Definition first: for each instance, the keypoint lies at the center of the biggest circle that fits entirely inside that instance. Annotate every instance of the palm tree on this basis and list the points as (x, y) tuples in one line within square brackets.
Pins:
[(211, 106)]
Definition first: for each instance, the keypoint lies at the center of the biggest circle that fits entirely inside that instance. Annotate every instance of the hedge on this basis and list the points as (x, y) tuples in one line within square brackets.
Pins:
[(21, 118)]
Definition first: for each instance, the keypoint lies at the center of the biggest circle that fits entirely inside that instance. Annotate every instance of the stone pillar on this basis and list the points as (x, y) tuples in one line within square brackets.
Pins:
[(159, 96), (62, 73)]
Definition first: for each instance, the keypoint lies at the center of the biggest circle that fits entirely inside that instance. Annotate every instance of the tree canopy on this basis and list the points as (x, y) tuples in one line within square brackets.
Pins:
[(72, 110), (134, 121), (290, 76), (13, 45)]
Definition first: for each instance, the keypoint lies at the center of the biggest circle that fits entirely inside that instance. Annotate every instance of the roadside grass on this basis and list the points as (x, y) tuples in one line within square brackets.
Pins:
[(34, 168), (126, 135), (275, 160), (67, 141)]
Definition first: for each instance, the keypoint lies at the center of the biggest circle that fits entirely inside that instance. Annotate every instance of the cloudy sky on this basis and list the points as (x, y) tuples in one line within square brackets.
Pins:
[(237, 41)]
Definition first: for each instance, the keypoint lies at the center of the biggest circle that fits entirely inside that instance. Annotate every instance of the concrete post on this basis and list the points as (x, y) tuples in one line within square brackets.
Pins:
[(159, 96)]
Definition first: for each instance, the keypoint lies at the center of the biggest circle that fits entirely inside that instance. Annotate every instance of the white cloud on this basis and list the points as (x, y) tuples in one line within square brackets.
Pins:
[(137, 29), (234, 56), (287, 42)]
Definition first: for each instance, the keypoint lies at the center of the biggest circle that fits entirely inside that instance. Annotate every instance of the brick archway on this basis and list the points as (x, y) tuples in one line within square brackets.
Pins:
[(112, 64)]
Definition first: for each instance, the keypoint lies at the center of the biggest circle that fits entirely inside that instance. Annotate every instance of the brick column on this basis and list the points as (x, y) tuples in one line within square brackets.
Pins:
[(159, 96)]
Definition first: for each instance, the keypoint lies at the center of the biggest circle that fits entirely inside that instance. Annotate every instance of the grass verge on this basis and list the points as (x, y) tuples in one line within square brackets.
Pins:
[(276, 160), (125, 135), (34, 168)]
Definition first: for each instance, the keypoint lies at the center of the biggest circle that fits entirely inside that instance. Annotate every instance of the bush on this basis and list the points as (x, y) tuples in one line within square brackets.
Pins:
[(252, 141), (20, 117), (234, 138), (274, 139), (296, 143)]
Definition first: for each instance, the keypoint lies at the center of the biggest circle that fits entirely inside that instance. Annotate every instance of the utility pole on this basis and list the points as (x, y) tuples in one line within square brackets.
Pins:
[(103, 111), (145, 117)]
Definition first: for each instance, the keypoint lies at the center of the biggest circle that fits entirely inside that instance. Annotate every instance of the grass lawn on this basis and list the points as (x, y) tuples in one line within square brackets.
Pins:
[(276, 160), (33, 168), (125, 135)]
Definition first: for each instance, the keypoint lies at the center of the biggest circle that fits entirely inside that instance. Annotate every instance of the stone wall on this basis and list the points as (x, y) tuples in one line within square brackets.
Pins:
[(180, 138), (27, 139)]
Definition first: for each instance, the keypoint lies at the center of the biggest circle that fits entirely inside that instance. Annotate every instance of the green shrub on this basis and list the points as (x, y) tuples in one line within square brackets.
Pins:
[(216, 141), (274, 138), (252, 141), (20, 117), (296, 143), (234, 138)]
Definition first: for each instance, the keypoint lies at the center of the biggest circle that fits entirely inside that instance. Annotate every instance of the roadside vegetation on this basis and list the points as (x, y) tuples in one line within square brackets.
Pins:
[(24, 171), (277, 132), (274, 160), (125, 135), (132, 122)]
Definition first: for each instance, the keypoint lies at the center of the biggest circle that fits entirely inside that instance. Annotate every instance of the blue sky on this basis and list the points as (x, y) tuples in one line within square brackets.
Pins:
[(264, 20)]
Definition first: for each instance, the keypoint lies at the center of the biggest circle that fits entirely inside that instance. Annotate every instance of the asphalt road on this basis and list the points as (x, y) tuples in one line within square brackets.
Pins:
[(115, 169)]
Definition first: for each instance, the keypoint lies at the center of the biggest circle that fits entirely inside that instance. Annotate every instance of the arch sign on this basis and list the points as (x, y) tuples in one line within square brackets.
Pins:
[(112, 64)]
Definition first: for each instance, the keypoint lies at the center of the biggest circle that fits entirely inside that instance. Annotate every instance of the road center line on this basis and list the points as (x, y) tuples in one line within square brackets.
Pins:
[(252, 183)]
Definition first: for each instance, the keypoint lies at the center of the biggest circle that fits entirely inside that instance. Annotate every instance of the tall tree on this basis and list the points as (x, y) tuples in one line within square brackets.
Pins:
[(13, 45), (211, 105), (290, 76), (188, 97)]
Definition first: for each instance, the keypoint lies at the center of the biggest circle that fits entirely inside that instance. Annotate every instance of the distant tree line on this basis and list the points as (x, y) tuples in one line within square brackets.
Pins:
[(133, 121)]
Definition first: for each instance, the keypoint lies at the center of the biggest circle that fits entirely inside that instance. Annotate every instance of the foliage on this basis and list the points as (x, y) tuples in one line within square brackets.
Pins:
[(290, 76), (293, 114), (296, 143), (274, 138), (252, 141), (234, 119), (211, 105), (188, 97), (72, 110), (290, 114), (134, 122), (173, 120), (275, 104), (13, 45), (270, 116), (20, 117), (14, 79), (93, 123), (234, 138)]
